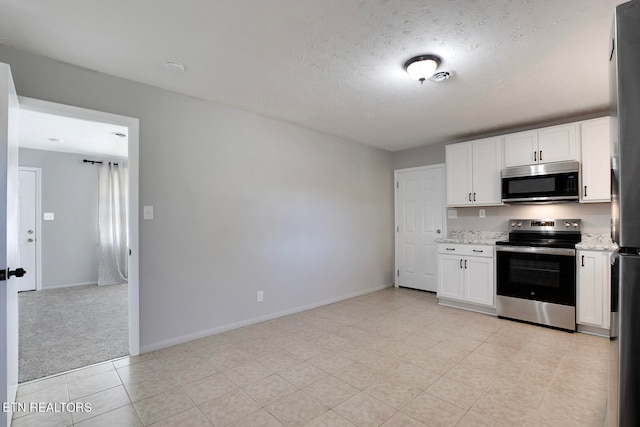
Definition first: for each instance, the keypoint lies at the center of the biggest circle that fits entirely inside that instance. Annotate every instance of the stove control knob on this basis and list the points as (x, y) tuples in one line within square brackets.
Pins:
[(575, 224), (513, 224), (567, 224), (519, 224)]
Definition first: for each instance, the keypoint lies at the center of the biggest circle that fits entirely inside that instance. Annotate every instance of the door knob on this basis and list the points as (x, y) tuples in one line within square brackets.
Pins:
[(18, 272), (438, 231)]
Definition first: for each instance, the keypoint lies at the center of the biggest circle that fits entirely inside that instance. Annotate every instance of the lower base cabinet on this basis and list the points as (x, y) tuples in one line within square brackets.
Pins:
[(466, 273), (593, 288)]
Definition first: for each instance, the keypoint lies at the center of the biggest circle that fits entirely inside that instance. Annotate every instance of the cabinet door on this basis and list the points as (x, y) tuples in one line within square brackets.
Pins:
[(459, 176), (487, 163), (595, 154), (478, 280), (557, 143), (590, 288), (520, 148), (450, 277)]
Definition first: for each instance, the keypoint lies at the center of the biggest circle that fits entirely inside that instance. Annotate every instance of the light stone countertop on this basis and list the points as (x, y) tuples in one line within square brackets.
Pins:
[(474, 237), (596, 242), (590, 241)]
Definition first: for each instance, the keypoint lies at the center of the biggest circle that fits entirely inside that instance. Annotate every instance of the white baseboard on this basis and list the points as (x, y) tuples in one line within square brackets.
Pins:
[(70, 285), (467, 306), (593, 330), (224, 328)]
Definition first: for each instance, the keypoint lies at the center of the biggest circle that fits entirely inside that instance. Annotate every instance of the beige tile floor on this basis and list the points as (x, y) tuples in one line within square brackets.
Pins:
[(390, 358)]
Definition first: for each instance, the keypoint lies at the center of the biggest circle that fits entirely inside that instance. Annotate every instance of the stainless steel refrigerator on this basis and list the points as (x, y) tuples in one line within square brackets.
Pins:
[(623, 408)]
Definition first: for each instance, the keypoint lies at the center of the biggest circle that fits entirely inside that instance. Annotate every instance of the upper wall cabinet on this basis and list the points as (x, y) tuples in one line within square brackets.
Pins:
[(595, 158), (551, 144), (473, 172)]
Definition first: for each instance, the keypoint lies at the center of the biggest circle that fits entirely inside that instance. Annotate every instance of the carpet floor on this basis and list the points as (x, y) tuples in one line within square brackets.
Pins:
[(68, 328)]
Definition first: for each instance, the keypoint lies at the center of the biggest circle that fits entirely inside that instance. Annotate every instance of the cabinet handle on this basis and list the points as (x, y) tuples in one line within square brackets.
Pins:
[(583, 260), (477, 250), (460, 262), (474, 197), (535, 156), (451, 249), (469, 196), (585, 191), (540, 155), (465, 263)]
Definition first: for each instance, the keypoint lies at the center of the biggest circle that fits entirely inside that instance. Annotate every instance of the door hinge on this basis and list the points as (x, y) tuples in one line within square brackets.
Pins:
[(398, 273), (3, 275), (398, 184), (398, 228)]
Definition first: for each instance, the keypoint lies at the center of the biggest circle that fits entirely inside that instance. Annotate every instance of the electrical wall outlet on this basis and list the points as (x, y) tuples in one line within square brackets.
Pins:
[(260, 296), (482, 213), (452, 213)]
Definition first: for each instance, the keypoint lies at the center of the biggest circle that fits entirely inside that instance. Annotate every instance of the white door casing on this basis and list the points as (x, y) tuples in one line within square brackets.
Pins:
[(133, 126), (419, 210), (9, 111), (29, 231)]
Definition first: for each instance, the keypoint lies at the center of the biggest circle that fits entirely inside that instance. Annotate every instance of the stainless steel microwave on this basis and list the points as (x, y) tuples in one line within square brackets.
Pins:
[(543, 183)]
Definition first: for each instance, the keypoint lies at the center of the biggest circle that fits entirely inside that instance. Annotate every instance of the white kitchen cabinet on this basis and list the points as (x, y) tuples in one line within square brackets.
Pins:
[(473, 172), (466, 273), (546, 145), (595, 140), (519, 148), (478, 280), (450, 283), (459, 161), (593, 288)]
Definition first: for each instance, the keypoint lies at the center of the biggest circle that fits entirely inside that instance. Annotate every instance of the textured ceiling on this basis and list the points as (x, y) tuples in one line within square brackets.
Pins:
[(336, 65)]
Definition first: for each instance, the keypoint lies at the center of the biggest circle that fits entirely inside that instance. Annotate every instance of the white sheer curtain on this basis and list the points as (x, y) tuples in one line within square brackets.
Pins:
[(113, 225)]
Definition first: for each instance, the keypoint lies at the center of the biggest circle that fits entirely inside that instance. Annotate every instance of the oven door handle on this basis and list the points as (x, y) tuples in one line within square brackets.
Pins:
[(537, 250)]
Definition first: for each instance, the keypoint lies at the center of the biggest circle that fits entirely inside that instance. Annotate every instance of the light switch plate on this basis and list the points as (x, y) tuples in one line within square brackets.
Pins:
[(482, 213), (49, 216), (147, 212)]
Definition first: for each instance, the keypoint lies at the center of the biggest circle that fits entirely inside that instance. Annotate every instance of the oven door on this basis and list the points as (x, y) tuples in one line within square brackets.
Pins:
[(537, 273)]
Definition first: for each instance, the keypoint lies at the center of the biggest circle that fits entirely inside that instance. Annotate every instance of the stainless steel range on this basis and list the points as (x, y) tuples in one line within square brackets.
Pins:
[(536, 272)]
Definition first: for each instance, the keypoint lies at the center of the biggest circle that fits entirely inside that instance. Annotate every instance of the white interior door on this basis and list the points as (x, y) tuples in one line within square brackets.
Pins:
[(28, 231), (8, 240), (419, 221)]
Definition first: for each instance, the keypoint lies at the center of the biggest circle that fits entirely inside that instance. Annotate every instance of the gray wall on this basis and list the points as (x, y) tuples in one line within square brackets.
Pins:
[(420, 156), (241, 203), (70, 191)]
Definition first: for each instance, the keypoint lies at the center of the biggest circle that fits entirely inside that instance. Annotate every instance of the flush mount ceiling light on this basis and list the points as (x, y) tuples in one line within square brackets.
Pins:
[(422, 67), (174, 66), (56, 140), (119, 134)]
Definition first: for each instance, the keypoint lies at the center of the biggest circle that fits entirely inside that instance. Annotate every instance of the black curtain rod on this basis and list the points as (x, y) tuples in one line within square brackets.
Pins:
[(93, 162)]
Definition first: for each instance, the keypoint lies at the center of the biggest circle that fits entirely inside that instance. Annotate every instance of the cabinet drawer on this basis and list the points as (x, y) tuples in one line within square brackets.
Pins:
[(463, 249)]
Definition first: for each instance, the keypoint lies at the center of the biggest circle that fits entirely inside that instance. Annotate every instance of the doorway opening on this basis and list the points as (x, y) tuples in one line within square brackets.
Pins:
[(68, 321)]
